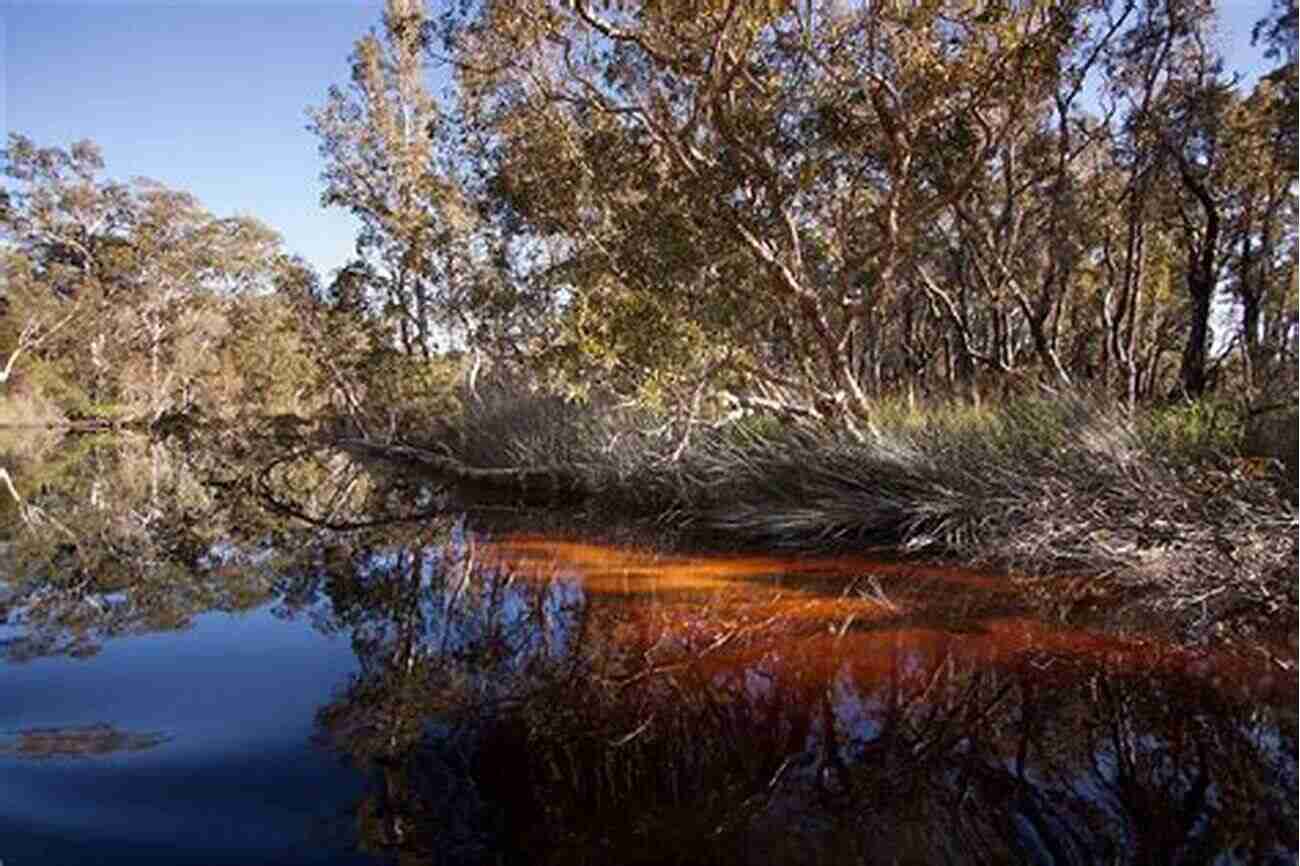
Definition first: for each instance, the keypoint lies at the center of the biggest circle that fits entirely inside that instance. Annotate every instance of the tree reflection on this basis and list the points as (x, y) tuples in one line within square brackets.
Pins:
[(508, 709), (107, 536)]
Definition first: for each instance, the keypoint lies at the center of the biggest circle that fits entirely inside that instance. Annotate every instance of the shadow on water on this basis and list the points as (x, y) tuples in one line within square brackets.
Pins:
[(520, 697)]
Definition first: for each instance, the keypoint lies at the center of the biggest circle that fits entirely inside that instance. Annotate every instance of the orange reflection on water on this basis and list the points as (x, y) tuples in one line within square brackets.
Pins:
[(1051, 653), (631, 569), (618, 569), (862, 618)]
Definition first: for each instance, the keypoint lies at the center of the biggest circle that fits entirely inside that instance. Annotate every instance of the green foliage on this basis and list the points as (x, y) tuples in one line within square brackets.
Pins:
[(859, 202), (415, 390), (819, 207), (132, 300), (264, 365), (54, 379), (381, 137), (1194, 430)]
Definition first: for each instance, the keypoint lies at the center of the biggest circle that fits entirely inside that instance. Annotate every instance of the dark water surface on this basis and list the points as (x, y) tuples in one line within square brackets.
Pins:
[(190, 673)]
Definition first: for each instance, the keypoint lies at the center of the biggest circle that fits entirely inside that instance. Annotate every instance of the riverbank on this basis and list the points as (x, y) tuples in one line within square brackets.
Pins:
[(1160, 512)]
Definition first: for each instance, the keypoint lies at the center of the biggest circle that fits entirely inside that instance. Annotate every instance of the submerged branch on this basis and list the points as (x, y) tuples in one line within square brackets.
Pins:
[(540, 482)]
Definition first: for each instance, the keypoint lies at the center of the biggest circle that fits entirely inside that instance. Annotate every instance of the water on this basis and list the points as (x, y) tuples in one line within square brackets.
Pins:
[(189, 673), (222, 768)]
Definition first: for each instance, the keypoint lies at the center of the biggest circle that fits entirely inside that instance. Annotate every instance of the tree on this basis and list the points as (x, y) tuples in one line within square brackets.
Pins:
[(379, 139), (142, 269), (1279, 33), (1260, 175), (39, 316), (807, 206), (1021, 230), (1188, 118), (1263, 159), (62, 223), (774, 163), (185, 258)]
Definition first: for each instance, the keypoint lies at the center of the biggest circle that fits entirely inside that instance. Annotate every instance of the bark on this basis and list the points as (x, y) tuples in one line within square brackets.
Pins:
[(1200, 287)]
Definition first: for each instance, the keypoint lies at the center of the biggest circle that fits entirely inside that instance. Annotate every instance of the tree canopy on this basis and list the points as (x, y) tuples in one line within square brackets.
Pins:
[(821, 204), (802, 206)]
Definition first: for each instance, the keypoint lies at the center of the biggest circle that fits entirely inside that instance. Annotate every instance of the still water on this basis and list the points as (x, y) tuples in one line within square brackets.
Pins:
[(233, 655)]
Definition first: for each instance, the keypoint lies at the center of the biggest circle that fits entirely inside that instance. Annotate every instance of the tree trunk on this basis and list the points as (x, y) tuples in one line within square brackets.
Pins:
[(1200, 287)]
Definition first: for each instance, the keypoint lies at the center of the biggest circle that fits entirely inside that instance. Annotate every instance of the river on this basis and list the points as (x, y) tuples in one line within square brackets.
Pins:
[(226, 654)]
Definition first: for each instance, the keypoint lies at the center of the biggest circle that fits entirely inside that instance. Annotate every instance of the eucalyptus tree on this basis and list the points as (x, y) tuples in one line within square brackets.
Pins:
[(381, 141), (1279, 32), (773, 163), (1022, 232), (143, 270), (62, 214), (32, 315), (808, 205), (1261, 168), (1184, 128), (183, 259), (63, 224)]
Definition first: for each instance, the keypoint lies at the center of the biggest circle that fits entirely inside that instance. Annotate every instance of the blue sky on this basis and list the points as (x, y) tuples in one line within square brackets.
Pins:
[(210, 96)]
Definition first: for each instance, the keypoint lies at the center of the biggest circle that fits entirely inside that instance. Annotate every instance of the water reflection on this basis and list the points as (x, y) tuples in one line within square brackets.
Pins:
[(527, 698), (113, 536)]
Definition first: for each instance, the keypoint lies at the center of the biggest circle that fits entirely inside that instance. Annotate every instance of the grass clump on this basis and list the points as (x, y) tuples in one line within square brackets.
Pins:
[(1152, 510)]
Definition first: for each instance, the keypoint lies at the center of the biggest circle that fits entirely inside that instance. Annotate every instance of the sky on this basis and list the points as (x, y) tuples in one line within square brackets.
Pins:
[(210, 96), (207, 96)]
